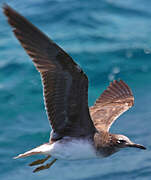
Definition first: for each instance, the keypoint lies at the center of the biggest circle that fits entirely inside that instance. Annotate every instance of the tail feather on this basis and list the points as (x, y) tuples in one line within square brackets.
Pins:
[(28, 153), (43, 149)]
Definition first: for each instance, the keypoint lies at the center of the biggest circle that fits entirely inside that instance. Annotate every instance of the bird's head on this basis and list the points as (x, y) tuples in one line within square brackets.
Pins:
[(122, 141)]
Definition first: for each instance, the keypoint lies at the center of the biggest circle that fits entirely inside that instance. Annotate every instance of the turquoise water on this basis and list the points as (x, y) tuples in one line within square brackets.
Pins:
[(110, 39)]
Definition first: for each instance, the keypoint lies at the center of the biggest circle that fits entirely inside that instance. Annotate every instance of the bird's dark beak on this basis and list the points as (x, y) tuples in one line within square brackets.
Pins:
[(137, 146)]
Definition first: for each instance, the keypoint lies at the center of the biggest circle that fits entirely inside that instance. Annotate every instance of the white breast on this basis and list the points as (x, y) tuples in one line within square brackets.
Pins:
[(72, 149)]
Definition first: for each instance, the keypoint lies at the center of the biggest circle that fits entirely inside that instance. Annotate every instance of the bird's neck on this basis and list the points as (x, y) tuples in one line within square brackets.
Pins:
[(104, 144)]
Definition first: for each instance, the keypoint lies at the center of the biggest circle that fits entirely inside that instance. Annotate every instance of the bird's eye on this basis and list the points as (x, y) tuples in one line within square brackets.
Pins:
[(121, 141)]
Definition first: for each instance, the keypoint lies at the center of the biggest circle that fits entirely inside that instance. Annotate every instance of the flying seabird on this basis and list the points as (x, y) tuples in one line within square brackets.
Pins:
[(78, 132)]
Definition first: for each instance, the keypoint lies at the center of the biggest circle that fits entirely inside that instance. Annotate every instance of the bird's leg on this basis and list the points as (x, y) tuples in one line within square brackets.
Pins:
[(39, 161), (44, 166)]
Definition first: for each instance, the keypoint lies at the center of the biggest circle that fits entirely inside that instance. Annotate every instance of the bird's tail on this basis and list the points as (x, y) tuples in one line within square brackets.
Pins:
[(42, 149)]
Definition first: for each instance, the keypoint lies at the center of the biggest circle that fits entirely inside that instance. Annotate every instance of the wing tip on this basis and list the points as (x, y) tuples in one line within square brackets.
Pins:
[(6, 8), (116, 91), (121, 87)]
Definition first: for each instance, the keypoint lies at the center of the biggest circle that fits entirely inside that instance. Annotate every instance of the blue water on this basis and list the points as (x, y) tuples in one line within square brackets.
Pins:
[(110, 39)]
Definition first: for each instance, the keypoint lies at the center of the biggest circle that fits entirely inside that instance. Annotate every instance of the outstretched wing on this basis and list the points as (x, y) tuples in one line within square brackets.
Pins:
[(114, 101), (65, 84)]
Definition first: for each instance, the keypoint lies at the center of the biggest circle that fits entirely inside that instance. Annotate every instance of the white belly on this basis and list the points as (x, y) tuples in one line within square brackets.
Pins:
[(72, 149)]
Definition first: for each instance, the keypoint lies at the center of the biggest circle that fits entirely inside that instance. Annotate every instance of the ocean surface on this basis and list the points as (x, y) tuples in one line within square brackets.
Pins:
[(109, 39)]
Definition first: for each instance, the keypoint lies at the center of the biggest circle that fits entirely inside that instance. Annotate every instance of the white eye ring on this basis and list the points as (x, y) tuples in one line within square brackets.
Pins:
[(118, 142), (121, 141)]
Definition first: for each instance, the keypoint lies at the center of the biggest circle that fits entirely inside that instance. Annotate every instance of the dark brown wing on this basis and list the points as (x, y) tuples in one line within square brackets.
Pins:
[(65, 84), (114, 101)]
